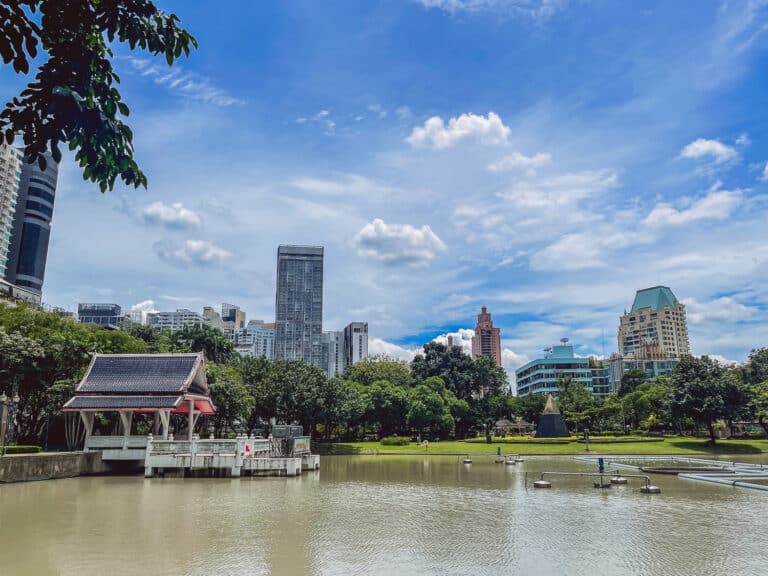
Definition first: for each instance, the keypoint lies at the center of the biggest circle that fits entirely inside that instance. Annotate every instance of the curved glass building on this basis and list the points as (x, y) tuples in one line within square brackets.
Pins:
[(32, 225)]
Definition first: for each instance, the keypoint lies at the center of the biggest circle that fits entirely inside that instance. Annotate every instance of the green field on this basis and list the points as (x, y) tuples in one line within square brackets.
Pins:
[(670, 445)]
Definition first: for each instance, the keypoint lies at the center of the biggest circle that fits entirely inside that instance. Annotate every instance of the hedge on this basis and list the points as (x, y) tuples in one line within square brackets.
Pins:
[(396, 441), (23, 449)]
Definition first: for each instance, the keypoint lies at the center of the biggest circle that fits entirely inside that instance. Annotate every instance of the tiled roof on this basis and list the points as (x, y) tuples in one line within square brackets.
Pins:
[(656, 298), (138, 374), (122, 402)]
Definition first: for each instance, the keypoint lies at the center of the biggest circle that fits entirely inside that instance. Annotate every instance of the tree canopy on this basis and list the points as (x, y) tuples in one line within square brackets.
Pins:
[(74, 99)]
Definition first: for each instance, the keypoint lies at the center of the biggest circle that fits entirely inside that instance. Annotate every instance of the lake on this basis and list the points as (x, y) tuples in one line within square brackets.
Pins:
[(382, 515)]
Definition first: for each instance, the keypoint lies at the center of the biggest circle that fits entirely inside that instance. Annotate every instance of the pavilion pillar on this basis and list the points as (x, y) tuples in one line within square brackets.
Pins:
[(87, 418), (126, 419), (156, 424), (165, 417), (191, 417)]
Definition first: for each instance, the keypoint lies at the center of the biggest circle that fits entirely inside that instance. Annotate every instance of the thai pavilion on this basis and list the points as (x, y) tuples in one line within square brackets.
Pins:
[(156, 384)]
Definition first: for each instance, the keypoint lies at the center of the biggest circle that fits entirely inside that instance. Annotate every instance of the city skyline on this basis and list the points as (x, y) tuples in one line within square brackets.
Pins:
[(548, 201)]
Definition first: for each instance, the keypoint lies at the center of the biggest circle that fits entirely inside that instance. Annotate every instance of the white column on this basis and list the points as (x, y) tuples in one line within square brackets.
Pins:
[(87, 418), (191, 417)]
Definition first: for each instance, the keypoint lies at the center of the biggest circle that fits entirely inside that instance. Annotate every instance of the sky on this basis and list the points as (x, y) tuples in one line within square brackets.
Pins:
[(543, 158)]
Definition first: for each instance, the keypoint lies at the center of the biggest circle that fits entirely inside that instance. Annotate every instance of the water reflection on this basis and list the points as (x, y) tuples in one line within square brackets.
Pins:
[(381, 515)]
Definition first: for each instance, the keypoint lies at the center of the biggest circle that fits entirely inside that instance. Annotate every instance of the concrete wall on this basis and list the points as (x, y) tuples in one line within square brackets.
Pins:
[(26, 467)]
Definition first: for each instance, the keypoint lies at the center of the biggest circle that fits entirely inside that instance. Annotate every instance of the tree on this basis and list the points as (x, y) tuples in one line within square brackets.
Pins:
[(488, 377), (203, 338), (576, 402), (529, 407), (430, 407), (380, 368), (631, 379), (230, 396), (73, 98), (389, 407), (451, 365), (759, 393), (299, 392), (756, 368), (699, 390)]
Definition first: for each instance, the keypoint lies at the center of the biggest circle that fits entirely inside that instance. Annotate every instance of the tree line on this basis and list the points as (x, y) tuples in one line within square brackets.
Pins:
[(441, 393)]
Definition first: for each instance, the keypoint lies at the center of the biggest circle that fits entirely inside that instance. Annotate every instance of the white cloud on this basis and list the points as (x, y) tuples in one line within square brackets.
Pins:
[(378, 110), (398, 243), (435, 134), (174, 215), (377, 346), (517, 160), (704, 148), (144, 306), (535, 9), (462, 337), (575, 251), (343, 185), (743, 140), (723, 309), (765, 172), (187, 84), (716, 205), (197, 252), (403, 112), (722, 360)]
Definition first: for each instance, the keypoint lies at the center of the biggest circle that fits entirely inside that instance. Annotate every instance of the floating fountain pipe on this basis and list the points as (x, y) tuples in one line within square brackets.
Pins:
[(647, 489)]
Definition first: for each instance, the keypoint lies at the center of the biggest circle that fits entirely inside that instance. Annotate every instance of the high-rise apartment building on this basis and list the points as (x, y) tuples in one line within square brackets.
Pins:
[(333, 353), (32, 225), (233, 318), (175, 321), (299, 304), (487, 339), (355, 343), (260, 336), (655, 327), (106, 315), (10, 179), (213, 318)]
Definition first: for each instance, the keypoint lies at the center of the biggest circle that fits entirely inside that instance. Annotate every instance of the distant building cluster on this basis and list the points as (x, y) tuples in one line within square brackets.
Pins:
[(652, 337), (27, 195), (296, 334)]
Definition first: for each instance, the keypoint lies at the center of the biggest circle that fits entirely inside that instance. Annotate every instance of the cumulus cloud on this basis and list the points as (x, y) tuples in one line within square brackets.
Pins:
[(724, 309), (716, 205), (704, 148), (462, 338), (436, 135), (516, 161), (196, 252), (765, 172), (535, 9), (398, 243), (144, 306), (377, 346), (186, 84), (174, 215)]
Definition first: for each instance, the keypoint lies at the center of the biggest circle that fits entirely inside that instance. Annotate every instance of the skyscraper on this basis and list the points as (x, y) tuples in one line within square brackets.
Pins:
[(355, 343), (655, 327), (333, 353), (299, 304), (10, 178), (32, 225), (487, 339)]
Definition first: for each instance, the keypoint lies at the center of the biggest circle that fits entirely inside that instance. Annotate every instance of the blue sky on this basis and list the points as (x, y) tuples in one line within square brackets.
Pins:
[(545, 158)]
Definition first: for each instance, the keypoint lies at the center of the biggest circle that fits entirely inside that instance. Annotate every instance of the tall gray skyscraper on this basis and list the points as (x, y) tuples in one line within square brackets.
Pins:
[(299, 304), (32, 225)]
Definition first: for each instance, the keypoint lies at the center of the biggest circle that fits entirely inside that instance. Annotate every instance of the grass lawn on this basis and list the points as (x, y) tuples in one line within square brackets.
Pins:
[(670, 445)]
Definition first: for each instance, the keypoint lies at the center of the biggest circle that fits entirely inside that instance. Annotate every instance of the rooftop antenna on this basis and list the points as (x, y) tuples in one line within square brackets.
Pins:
[(603, 342)]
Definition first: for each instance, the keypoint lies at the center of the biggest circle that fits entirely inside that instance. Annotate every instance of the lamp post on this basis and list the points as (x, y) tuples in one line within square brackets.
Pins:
[(8, 405)]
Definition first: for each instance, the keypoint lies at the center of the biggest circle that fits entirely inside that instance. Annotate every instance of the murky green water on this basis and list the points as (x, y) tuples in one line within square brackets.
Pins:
[(382, 515)]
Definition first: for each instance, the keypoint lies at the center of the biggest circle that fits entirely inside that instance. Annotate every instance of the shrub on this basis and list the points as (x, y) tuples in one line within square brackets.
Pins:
[(23, 449), (396, 441)]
